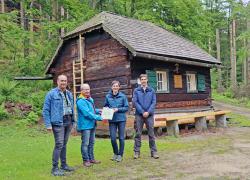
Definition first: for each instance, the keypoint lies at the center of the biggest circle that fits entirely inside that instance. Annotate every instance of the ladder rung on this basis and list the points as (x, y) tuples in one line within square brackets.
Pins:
[(77, 85), (77, 78), (77, 71)]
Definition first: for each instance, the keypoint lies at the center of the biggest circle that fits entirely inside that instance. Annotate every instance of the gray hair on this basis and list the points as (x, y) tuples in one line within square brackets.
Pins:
[(85, 86)]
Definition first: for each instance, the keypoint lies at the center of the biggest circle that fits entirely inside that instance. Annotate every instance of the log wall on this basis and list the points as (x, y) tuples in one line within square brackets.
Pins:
[(176, 98)]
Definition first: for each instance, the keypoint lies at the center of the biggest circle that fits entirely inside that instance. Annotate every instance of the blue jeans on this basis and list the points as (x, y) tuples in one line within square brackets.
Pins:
[(61, 136), (113, 126), (87, 147)]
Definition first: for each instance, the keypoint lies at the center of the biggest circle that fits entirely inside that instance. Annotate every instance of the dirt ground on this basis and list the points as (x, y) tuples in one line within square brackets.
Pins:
[(228, 159)]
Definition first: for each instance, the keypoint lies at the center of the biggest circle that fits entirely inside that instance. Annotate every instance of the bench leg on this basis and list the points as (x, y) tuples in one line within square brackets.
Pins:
[(221, 121), (200, 123), (173, 128)]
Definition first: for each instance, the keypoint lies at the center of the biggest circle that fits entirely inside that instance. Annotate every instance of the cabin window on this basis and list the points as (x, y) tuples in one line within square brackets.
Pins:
[(191, 82), (162, 81)]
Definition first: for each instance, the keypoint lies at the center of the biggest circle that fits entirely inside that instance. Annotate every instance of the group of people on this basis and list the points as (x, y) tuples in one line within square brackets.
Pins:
[(58, 115)]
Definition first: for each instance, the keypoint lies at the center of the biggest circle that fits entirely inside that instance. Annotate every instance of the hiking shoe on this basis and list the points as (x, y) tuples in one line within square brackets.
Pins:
[(136, 155), (119, 158), (57, 172), (114, 157), (155, 155), (87, 164), (67, 168), (94, 162)]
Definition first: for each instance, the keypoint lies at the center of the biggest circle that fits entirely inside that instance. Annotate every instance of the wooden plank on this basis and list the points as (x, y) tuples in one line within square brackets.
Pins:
[(194, 115)]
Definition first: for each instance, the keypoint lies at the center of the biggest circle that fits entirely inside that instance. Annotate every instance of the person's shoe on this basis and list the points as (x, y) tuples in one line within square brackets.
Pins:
[(136, 155), (67, 168), (57, 172), (119, 158), (114, 157), (94, 162), (155, 155), (87, 164)]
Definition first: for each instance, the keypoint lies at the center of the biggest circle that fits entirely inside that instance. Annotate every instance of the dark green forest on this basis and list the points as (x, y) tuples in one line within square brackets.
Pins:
[(30, 31)]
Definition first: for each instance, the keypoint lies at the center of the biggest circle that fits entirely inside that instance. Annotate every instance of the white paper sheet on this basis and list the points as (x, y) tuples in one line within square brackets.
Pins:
[(107, 113)]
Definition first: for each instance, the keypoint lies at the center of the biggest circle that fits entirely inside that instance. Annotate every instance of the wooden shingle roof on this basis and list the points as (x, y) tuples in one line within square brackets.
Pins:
[(144, 37)]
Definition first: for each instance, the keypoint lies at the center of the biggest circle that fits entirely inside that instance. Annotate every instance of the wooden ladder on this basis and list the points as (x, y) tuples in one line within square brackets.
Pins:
[(78, 72)]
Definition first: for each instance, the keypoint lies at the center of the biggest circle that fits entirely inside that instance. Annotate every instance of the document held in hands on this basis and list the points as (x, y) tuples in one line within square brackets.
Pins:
[(107, 113)]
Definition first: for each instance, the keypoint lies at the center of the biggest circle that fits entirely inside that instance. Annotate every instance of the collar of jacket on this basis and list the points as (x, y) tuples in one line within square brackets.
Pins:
[(58, 90), (148, 89), (112, 95)]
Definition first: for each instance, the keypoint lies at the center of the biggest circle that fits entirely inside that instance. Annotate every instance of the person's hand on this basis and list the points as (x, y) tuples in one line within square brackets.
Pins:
[(115, 109), (49, 129), (145, 114)]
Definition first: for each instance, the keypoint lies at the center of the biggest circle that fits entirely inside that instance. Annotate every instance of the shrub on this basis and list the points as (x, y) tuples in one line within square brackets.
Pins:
[(32, 118), (3, 113), (7, 88)]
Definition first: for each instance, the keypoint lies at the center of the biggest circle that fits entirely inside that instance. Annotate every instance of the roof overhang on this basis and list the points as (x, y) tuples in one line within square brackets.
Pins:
[(175, 60)]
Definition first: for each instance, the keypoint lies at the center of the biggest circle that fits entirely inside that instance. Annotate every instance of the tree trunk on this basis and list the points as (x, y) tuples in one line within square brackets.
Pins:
[(244, 65), (248, 54), (31, 23), (132, 7), (233, 55), (54, 10), (62, 31), (2, 6), (22, 14), (209, 45), (220, 89), (24, 25)]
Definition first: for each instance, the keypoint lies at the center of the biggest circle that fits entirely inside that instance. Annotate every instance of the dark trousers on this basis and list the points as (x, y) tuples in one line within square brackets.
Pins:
[(61, 136), (138, 125), (113, 127), (87, 147)]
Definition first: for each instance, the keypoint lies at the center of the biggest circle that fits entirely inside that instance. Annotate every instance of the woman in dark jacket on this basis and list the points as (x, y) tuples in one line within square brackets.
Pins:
[(117, 101)]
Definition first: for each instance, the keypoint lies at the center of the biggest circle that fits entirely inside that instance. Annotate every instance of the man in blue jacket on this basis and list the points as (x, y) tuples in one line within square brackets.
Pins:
[(144, 100), (58, 117)]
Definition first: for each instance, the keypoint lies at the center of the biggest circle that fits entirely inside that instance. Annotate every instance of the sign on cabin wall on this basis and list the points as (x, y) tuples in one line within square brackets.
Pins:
[(177, 81)]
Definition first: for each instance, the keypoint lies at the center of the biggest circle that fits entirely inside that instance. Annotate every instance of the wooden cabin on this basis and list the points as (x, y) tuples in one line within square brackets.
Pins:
[(112, 47)]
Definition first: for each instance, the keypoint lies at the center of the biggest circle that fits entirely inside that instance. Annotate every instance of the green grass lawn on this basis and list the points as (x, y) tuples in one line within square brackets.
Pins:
[(25, 153)]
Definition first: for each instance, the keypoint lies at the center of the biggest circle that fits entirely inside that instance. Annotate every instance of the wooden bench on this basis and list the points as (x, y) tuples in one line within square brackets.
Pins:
[(200, 121)]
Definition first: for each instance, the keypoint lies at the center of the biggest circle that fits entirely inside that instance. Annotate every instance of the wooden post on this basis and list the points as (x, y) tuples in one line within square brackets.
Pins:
[(221, 121), (81, 52), (200, 123), (172, 128)]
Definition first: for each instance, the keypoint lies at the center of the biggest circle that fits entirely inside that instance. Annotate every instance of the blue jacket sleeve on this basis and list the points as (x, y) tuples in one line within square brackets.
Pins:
[(86, 112), (46, 111), (125, 106), (106, 102), (151, 109), (137, 105)]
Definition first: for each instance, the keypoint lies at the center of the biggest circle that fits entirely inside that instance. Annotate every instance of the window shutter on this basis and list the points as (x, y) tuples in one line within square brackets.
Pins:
[(201, 82), (152, 79)]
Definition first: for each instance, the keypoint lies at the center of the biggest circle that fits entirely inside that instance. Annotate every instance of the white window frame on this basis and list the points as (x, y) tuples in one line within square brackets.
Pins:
[(189, 89), (163, 83)]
